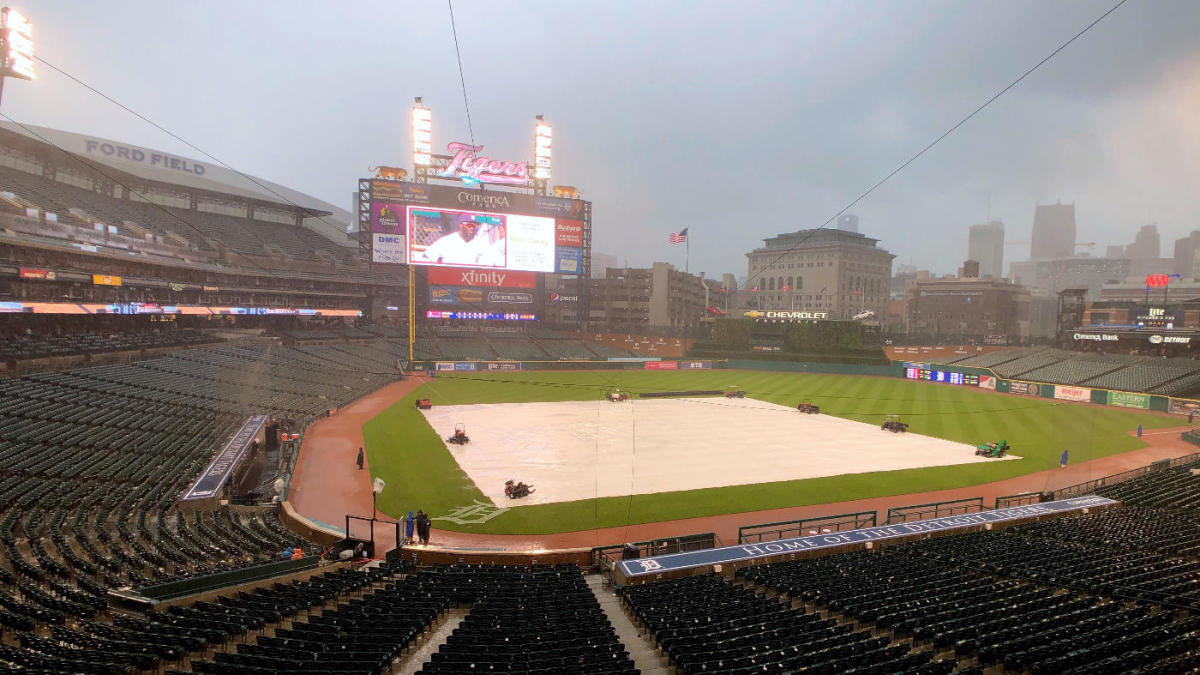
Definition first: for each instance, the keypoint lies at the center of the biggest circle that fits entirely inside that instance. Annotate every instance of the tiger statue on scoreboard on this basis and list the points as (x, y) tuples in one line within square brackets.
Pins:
[(389, 172)]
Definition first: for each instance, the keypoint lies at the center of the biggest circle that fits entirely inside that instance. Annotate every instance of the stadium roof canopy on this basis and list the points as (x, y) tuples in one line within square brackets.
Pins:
[(165, 167)]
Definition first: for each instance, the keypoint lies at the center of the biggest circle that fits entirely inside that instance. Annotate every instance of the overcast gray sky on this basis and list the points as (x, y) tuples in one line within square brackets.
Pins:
[(737, 120)]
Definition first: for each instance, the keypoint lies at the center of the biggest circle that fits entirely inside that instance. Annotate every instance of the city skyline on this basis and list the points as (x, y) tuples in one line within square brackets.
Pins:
[(1108, 123)]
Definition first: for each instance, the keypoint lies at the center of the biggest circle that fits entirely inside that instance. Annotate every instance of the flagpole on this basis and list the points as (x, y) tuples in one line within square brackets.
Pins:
[(687, 253)]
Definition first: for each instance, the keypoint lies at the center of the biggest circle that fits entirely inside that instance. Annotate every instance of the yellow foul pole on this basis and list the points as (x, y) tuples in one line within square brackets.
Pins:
[(412, 312)]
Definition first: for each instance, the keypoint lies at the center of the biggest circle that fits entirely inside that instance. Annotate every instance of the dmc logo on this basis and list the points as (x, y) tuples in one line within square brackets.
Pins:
[(389, 240)]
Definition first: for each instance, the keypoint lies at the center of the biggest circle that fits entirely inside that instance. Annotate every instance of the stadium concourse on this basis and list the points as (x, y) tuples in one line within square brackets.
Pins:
[(327, 485)]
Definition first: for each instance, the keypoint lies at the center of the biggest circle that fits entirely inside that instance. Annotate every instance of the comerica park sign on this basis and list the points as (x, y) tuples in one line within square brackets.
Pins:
[(782, 315)]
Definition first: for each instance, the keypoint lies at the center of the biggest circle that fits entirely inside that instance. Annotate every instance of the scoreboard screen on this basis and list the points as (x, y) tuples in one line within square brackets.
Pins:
[(931, 375)]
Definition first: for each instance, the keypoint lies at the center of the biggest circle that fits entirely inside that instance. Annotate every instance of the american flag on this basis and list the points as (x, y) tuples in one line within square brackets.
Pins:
[(678, 237)]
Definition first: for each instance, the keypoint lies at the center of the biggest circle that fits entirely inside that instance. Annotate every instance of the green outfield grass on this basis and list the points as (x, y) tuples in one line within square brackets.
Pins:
[(421, 473)]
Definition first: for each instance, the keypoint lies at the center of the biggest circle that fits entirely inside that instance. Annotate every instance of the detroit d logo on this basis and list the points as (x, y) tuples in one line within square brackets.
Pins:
[(649, 565), (474, 514)]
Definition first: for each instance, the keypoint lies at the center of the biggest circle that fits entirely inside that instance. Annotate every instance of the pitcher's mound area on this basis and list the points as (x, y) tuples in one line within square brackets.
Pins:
[(571, 450)]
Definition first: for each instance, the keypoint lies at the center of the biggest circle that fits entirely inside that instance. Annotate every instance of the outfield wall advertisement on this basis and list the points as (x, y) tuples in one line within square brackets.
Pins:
[(1079, 394), (1119, 399), (1024, 388), (1126, 399)]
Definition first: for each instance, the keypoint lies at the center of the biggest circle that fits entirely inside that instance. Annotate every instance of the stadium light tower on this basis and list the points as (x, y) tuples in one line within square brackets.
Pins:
[(16, 47), (543, 140), (422, 139)]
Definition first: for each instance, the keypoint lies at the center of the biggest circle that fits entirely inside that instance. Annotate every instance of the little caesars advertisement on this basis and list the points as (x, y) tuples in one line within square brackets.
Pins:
[(1127, 400)]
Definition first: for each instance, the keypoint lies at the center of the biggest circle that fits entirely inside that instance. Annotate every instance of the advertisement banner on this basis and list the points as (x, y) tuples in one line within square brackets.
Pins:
[(508, 297), (987, 382), (1127, 400), (388, 248), (106, 280), (442, 366), (454, 295), (1073, 394), (695, 365), (443, 296), (662, 365), (568, 232), (34, 273), (558, 207), (558, 297), (504, 366), (1183, 406), (1024, 388), (569, 260), (454, 276), (387, 218)]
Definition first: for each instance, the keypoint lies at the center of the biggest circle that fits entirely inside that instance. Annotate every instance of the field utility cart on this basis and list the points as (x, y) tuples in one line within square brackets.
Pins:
[(993, 450), (460, 435), (894, 425), (515, 490)]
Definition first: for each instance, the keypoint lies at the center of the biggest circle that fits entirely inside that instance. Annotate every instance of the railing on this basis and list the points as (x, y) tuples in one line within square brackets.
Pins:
[(902, 514), (1184, 461), (372, 520), (1020, 499), (208, 582), (605, 557), (1089, 487), (788, 529)]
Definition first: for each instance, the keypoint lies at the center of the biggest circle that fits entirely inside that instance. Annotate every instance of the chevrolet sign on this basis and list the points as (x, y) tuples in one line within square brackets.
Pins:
[(786, 316)]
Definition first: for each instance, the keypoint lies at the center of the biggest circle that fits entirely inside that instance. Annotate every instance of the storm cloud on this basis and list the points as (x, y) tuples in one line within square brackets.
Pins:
[(736, 120)]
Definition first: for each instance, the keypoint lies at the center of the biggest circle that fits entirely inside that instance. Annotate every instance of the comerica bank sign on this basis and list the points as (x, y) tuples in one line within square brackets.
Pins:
[(1097, 337)]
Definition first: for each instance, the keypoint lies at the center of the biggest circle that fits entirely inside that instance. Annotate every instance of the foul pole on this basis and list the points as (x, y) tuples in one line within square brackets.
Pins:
[(412, 312)]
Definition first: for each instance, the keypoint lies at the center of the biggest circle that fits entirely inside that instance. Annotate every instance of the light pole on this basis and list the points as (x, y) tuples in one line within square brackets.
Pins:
[(16, 47)]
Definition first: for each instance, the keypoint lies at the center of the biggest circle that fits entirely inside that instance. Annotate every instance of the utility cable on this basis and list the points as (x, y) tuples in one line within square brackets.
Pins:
[(930, 146)]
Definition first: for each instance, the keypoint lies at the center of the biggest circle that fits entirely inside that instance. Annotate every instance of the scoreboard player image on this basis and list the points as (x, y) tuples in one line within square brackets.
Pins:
[(457, 238)]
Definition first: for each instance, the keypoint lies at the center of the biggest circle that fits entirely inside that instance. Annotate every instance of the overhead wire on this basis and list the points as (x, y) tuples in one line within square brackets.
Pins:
[(146, 199), (935, 141), (186, 142)]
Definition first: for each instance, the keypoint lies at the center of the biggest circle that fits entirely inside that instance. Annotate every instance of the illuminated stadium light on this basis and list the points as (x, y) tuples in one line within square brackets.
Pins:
[(543, 141), (17, 35), (422, 134)]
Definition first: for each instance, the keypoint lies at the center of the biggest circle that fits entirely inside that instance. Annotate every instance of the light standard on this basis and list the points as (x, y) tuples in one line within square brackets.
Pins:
[(16, 47)]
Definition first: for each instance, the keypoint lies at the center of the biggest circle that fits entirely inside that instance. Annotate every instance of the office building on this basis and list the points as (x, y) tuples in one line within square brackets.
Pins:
[(985, 244), (1053, 231), (834, 271)]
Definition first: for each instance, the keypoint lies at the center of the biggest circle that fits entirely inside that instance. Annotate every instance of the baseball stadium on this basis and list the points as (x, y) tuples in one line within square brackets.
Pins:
[(247, 431)]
